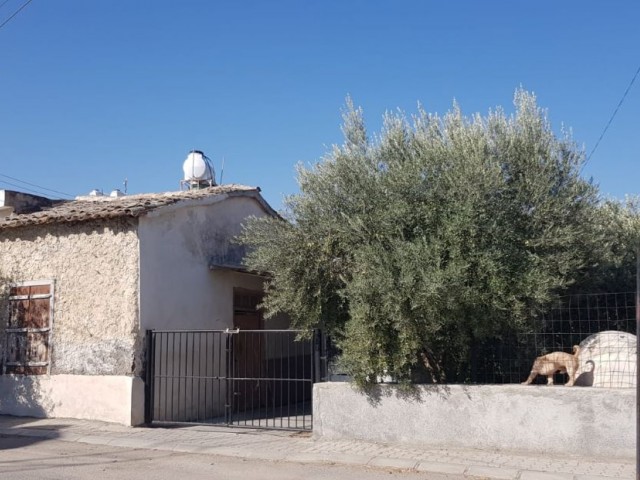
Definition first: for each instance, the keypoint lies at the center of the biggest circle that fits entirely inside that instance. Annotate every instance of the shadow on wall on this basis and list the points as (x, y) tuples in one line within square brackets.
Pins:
[(409, 393), (21, 400), (24, 396)]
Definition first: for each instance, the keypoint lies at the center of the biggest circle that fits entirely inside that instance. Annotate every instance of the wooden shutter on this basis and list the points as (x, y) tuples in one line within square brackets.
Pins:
[(29, 328)]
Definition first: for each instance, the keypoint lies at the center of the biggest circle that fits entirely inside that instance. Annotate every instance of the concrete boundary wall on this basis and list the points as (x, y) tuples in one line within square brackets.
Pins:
[(536, 419), (109, 398)]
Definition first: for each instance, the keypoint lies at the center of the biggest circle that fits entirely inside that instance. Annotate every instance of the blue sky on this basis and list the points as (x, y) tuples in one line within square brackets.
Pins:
[(93, 92)]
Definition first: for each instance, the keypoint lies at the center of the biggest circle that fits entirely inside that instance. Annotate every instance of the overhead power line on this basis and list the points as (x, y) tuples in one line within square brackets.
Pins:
[(40, 188), (613, 114), (21, 187), (15, 13), (4, 3)]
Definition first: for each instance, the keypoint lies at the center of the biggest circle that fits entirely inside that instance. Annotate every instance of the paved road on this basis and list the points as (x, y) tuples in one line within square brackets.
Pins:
[(23, 458)]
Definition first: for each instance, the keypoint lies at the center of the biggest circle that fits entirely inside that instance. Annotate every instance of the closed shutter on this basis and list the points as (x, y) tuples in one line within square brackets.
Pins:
[(29, 328)]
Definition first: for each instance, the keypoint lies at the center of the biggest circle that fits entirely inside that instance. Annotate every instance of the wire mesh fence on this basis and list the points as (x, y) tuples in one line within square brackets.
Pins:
[(586, 340)]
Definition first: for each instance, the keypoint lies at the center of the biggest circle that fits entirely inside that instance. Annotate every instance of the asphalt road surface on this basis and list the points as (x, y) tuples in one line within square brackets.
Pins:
[(24, 458)]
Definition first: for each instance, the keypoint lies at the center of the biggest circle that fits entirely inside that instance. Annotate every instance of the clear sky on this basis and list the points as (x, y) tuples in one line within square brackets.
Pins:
[(93, 92)]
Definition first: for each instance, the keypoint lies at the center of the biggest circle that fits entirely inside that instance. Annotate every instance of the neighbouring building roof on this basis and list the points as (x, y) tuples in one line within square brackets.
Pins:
[(94, 208)]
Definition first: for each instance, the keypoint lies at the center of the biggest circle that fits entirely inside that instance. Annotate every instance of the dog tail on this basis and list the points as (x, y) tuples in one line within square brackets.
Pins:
[(576, 349)]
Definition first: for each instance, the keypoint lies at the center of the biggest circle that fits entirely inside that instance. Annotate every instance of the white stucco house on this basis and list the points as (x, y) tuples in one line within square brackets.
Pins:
[(89, 276)]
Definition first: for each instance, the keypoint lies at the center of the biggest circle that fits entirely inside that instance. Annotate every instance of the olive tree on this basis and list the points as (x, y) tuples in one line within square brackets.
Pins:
[(410, 245)]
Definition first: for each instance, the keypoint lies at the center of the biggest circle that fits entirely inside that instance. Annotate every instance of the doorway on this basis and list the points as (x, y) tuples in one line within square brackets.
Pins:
[(247, 351)]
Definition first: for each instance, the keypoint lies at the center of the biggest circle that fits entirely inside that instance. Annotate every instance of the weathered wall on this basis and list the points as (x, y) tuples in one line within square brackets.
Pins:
[(562, 420), (109, 398), (178, 290), (95, 269)]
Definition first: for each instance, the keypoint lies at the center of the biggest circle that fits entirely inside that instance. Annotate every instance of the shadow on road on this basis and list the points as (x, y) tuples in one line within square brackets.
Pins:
[(27, 431), (8, 442)]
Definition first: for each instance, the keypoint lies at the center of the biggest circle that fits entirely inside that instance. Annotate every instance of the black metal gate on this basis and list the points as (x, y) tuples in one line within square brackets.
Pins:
[(240, 378)]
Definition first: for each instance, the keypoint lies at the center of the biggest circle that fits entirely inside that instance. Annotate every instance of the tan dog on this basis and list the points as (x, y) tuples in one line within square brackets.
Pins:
[(554, 362)]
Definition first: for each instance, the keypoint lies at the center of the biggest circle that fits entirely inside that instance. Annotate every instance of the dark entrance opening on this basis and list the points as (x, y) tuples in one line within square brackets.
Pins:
[(247, 351)]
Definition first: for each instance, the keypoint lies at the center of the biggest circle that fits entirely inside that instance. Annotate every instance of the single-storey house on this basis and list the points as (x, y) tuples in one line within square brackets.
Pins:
[(89, 276)]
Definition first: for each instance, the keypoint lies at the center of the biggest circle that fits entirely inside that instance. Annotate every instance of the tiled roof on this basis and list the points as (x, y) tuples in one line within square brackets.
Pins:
[(93, 208)]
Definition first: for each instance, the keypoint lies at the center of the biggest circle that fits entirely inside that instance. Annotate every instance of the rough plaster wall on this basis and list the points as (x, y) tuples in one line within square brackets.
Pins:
[(95, 269)]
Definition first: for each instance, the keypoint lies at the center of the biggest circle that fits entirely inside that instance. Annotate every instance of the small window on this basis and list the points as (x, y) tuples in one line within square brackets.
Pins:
[(29, 328)]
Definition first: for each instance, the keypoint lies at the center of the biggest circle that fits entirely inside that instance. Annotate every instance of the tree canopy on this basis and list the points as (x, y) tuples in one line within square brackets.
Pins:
[(410, 245)]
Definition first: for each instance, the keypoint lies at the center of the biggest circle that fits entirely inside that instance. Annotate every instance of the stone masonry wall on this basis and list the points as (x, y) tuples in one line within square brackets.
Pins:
[(95, 269)]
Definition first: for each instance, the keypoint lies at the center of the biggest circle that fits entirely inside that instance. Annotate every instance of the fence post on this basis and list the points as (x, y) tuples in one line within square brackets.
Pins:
[(149, 374), (638, 361), (228, 374), (316, 356)]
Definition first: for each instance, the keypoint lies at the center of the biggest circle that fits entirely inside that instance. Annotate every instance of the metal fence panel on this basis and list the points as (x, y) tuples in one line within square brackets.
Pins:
[(242, 378)]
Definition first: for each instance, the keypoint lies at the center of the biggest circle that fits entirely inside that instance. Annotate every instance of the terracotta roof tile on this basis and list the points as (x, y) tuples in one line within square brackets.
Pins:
[(94, 208)]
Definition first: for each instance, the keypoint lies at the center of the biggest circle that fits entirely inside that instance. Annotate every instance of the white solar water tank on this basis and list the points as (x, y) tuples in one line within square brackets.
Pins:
[(197, 168)]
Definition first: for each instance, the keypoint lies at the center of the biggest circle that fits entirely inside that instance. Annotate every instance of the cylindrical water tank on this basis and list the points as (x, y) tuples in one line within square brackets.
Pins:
[(197, 167)]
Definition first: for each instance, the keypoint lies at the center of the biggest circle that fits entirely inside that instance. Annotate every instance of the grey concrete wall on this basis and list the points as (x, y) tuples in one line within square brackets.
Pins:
[(178, 290), (537, 419), (95, 269)]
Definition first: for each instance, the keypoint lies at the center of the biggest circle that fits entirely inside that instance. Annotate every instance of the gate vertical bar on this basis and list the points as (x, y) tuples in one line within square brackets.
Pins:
[(289, 383), (228, 375), (221, 373), (280, 383), (180, 377), (246, 388), (316, 356), (638, 360), (325, 358), (165, 372), (173, 372), (193, 376), (149, 383)]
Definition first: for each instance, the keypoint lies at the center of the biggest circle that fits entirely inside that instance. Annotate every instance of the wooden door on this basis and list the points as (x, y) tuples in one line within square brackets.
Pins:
[(248, 352)]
